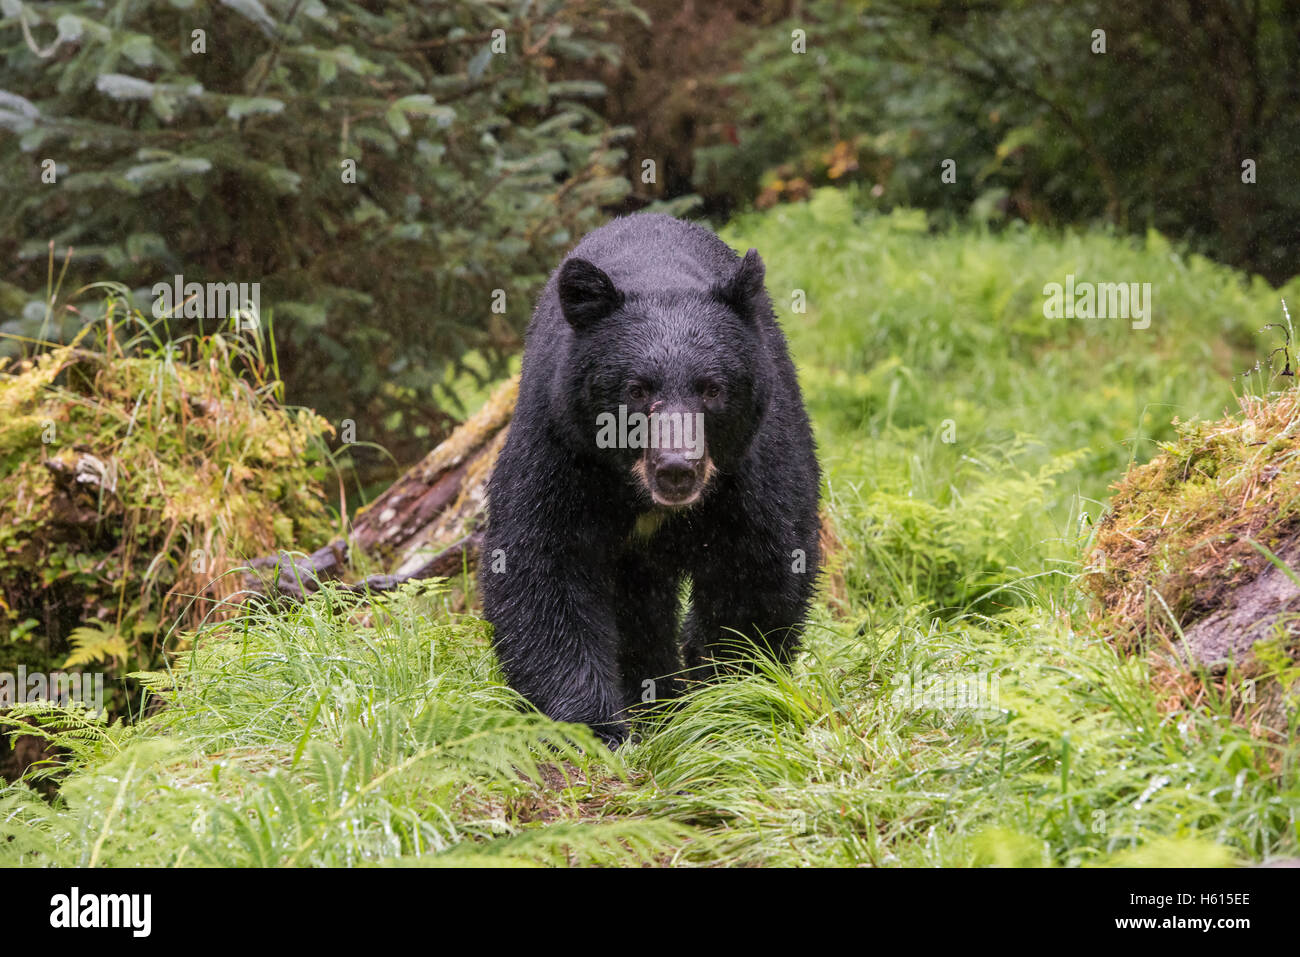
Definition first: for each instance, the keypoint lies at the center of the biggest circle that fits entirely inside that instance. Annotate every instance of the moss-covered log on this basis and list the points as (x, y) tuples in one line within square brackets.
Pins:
[(427, 523)]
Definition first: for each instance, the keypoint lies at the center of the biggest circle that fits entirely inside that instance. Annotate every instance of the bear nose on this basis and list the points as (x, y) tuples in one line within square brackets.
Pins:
[(675, 478)]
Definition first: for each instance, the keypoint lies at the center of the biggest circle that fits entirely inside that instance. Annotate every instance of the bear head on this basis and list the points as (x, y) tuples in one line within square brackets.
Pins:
[(668, 386)]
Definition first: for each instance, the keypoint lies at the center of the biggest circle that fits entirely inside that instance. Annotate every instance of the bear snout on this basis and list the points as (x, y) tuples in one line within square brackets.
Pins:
[(674, 478)]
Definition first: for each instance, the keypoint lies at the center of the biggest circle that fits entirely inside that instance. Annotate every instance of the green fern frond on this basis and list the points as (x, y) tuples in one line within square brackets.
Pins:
[(95, 642)]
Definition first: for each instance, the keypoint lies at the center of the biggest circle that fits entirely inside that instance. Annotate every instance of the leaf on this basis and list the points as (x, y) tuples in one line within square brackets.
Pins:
[(17, 113), (416, 103), (316, 10), (422, 104), (309, 314), (168, 97), (32, 139), (158, 174), (284, 181), (419, 104), (139, 49), (432, 152), (149, 153), (18, 104), (577, 88), (478, 65), (94, 642), (164, 106), (373, 134), (157, 682), (346, 58), (70, 29), (241, 106), (549, 161), (122, 87), (397, 122), (14, 122)]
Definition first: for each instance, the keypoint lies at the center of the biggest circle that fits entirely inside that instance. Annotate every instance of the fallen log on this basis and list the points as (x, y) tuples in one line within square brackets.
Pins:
[(426, 524)]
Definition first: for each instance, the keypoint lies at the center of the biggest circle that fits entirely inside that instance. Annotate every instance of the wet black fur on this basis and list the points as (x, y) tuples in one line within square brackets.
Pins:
[(585, 609)]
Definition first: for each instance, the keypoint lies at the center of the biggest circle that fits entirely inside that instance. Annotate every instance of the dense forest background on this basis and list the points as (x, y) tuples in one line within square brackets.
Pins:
[(1055, 625), (400, 177)]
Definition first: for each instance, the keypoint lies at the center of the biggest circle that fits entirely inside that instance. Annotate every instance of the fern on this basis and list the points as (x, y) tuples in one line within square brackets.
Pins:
[(72, 731), (294, 738), (94, 643)]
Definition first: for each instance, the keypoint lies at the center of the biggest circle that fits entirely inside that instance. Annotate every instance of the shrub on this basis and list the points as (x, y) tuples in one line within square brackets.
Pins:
[(215, 140)]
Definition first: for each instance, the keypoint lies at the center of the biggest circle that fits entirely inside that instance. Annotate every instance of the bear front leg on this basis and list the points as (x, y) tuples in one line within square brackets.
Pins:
[(555, 637), (736, 613), (646, 610)]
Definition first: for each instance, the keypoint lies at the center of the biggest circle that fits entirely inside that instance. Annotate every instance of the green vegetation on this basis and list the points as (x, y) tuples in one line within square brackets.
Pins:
[(1189, 534), (1036, 105), (137, 470), (954, 706), (333, 153), (301, 739)]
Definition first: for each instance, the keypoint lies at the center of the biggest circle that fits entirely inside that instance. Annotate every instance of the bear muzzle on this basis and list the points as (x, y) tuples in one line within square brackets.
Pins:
[(673, 479)]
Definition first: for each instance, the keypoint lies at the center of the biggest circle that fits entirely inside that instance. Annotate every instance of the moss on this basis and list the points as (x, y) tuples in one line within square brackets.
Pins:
[(134, 477), (1181, 529)]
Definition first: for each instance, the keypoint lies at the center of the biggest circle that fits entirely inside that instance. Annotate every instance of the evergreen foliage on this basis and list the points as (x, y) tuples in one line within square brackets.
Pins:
[(215, 140)]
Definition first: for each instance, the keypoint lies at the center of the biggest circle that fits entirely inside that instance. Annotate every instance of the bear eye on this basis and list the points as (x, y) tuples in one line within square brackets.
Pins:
[(636, 391), (710, 390)]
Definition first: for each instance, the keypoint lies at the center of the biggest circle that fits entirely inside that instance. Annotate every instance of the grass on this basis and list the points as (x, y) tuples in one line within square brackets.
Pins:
[(955, 707), (135, 467)]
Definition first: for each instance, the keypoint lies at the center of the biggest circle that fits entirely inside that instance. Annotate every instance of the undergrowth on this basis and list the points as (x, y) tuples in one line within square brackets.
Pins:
[(1188, 524), (140, 465), (953, 707)]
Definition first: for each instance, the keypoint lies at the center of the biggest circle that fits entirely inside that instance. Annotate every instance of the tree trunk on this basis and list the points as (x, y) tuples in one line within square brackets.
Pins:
[(427, 523)]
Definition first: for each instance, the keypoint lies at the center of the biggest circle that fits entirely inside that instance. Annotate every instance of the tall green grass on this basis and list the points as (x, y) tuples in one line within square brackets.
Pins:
[(300, 736), (951, 708)]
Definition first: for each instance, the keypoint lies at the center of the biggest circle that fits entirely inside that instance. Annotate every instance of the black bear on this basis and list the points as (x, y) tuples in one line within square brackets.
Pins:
[(659, 438)]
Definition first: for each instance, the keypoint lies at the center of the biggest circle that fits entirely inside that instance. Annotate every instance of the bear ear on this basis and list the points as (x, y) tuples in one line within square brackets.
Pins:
[(587, 295), (742, 290)]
